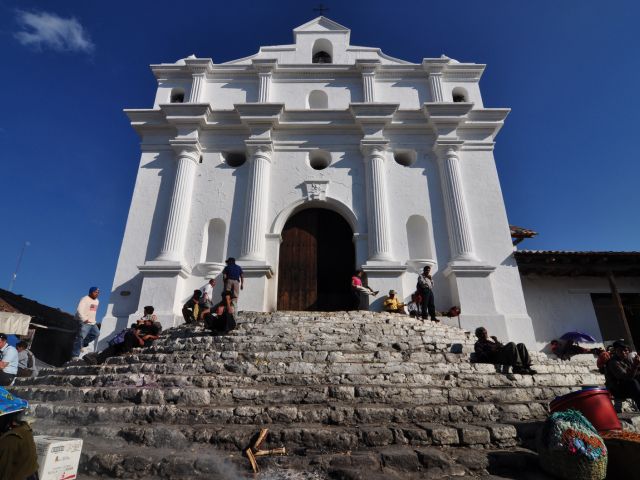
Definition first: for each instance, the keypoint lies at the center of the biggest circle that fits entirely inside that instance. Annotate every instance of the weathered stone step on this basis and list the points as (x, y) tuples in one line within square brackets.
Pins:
[(328, 437), (467, 380), (124, 460), (225, 344), (88, 413), (286, 395)]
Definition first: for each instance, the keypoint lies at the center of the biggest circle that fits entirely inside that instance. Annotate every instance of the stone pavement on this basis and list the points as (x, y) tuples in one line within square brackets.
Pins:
[(349, 394)]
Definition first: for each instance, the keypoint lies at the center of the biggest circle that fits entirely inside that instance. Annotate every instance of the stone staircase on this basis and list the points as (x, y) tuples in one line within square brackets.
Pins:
[(344, 392)]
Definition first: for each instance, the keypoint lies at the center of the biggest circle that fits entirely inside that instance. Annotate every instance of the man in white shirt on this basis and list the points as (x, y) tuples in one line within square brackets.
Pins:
[(207, 293), (86, 315), (8, 361)]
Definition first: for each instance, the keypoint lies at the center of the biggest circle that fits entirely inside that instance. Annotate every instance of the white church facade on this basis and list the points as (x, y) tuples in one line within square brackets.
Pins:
[(307, 161)]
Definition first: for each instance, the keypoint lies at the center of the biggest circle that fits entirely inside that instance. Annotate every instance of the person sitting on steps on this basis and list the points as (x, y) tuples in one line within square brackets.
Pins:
[(622, 374), (392, 304), (223, 321), (490, 350), (357, 289), (191, 309)]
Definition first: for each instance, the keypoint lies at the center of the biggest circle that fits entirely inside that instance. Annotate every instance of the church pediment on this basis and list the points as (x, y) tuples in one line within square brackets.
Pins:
[(321, 24)]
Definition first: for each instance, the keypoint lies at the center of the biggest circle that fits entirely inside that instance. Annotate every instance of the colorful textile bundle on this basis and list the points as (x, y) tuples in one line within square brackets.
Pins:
[(10, 403), (569, 447)]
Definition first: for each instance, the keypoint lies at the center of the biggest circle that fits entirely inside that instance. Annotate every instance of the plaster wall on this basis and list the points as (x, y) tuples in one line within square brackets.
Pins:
[(562, 304), (222, 94), (143, 234), (294, 94), (410, 93)]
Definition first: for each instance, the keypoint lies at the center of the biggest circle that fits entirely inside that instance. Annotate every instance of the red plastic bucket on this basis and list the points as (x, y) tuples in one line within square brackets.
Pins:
[(594, 403)]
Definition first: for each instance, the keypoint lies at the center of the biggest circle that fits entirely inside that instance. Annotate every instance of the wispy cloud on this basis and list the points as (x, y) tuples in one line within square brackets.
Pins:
[(47, 30)]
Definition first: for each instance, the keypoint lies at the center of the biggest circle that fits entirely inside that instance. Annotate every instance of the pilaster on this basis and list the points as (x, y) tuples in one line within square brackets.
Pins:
[(187, 155), (368, 69), (255, 219), (265, 68), (199, 68), (460, 239), (435, 68)]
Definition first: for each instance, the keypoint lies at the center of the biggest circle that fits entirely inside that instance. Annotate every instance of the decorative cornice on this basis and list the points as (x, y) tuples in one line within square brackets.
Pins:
[(199, 65), (264, 65), (367, 66)]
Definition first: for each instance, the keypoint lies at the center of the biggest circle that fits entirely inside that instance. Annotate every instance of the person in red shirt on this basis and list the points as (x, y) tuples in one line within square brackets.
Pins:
[(357, 289)]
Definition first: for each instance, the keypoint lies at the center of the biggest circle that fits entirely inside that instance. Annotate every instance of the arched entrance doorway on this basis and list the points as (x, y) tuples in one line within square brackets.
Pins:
[(317, 258)]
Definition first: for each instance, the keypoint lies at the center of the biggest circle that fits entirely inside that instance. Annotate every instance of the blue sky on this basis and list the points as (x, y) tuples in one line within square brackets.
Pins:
[(567, 156)]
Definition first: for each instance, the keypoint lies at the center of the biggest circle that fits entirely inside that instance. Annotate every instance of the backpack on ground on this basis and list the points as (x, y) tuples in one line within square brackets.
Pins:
[(118, 339)]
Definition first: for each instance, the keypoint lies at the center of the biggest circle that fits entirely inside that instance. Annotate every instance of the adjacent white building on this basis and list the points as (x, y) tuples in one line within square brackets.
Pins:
[(306, 161)]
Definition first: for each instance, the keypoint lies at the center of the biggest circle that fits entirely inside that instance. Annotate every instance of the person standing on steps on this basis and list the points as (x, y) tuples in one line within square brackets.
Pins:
[(86, 316), (425, 288), (357, 289), (233, 278)]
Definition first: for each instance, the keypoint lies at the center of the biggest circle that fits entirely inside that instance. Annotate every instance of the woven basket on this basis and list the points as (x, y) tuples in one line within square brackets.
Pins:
[(569, 466)]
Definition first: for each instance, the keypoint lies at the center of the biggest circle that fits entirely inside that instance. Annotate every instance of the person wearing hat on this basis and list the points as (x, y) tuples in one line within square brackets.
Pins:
[(18, 456), (392, 304), (86, 316), (622, 373), (233, 278), (425, 288), (8, 361)]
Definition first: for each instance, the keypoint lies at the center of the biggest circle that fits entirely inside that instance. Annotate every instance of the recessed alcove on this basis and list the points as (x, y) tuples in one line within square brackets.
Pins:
[(322, 51), (319, 159), (177, 95), (318, 100), (234, 159), (406, 158), (459, 95)]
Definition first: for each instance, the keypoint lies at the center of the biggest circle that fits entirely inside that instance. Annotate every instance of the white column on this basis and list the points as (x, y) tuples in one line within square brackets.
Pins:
[(197, 87), (377, 209), (255, 214), (368, 85), (455, 206), (178, 221), (435, 82), (265, 84)]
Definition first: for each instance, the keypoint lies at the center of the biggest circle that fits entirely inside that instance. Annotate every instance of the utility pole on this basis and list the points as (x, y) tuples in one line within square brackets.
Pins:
[(15, 272)]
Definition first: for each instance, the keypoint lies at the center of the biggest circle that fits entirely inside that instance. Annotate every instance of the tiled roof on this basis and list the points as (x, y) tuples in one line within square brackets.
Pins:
[(575, 263), (44, 314)]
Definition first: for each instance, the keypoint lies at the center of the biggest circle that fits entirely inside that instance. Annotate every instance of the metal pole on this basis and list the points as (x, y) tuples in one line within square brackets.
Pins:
[(15, 272), (617, 299)]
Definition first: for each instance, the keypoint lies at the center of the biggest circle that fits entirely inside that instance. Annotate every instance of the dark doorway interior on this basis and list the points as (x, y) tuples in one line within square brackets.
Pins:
[(317, 259), (608, 317)]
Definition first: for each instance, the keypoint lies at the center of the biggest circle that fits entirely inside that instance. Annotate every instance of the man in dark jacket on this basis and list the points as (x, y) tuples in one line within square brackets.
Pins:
[(490, 350), (622, 374)]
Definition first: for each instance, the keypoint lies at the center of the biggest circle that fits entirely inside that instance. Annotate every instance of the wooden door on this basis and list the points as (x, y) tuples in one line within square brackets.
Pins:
[(297, 268), (317, 258)]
